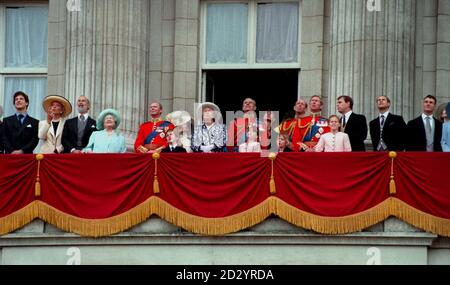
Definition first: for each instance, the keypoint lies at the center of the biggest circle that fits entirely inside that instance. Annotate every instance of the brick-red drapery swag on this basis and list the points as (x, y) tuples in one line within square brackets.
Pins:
[(216, 194)]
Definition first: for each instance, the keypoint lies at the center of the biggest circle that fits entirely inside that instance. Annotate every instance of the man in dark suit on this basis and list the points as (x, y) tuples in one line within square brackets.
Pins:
[(20, 131), (172, 140), (78, 130), (424, 133), (354, 125), (387, 130)]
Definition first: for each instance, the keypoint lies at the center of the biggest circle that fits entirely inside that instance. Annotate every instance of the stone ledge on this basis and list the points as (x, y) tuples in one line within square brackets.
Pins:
[(363, 238)]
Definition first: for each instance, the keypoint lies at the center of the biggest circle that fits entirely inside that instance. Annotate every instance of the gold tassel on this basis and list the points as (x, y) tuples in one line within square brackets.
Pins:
[(273, 188), (392, 187), (155, 157), (155, 185), (37, 188), (37, 185)]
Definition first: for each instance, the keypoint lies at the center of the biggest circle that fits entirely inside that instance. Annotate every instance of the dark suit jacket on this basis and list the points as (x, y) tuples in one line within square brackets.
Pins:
[(176, 149), (356, 129), (20, 137), (394, 132), (416, 137), (70, 134)]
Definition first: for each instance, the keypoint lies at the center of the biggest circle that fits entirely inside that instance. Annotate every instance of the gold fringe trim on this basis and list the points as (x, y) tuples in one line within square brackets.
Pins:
[(95, 227), (19, 218), (419, 219), (333, 225), (212, 226), (221, 226)]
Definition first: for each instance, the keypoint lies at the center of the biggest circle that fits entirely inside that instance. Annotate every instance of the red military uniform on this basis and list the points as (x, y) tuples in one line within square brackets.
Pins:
[(305, 132), (152, 134)]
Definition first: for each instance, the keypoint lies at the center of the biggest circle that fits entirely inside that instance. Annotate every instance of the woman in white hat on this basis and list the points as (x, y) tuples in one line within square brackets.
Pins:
[(107, 139), (50, 130), (209, 134)]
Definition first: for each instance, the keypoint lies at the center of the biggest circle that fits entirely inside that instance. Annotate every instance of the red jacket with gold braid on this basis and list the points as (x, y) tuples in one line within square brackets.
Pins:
[(152, 134)]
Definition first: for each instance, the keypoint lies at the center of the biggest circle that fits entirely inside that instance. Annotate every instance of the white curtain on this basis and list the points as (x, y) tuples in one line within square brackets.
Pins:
[(34, 87), (26, 37), (277, 33), (226, 36)]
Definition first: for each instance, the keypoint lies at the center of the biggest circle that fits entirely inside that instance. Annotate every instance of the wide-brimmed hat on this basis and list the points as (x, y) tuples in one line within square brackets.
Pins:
[(178, 118), (106, 112), (214, 107), (56, 98)]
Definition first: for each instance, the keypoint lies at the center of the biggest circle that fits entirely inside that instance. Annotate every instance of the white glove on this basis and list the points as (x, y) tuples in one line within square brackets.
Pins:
[(207, 148)]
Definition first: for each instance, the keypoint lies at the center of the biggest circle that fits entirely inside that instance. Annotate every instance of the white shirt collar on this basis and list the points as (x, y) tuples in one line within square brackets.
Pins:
[(347, 115), (425, 115), (385, 114), (86, 115), (424, 119)]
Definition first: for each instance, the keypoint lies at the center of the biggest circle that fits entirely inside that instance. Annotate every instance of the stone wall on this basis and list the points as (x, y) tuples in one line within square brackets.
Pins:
[(271, 242)]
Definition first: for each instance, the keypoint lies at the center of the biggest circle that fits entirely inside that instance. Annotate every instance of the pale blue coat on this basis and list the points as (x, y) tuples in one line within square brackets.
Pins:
[(101, 142)]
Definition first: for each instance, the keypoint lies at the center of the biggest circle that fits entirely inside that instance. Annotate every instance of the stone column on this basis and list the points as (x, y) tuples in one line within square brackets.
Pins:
[(107, 56), (372, 53), (443, 52), (313, 47), (185, 71), (174, 45)]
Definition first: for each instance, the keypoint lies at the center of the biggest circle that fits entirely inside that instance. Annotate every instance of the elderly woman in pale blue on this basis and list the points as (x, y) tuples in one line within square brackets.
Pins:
[(107, 139)]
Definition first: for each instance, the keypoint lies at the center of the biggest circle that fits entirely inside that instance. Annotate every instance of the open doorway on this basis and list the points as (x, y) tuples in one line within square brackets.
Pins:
[(273, 89)]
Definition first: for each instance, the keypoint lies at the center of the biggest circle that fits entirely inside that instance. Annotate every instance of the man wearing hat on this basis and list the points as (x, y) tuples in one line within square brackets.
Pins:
[(51, 129), (152, 134), (20, 131), (78, 130)]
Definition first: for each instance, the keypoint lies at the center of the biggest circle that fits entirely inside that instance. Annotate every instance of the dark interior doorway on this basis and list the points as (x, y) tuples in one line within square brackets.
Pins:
[(273, 89)]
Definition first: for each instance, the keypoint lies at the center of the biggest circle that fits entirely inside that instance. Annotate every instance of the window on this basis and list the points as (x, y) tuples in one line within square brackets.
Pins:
[(23, 55), (252, 34), (250, 49)]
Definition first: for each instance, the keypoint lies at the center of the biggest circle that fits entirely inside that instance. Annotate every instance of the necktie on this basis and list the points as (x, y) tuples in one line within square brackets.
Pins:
[(343, 121), (82, 118), (429, 134), (20, 116), (381, 145)]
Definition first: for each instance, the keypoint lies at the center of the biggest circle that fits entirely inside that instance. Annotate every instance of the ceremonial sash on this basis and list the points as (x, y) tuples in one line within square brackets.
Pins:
[(155, 133)]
